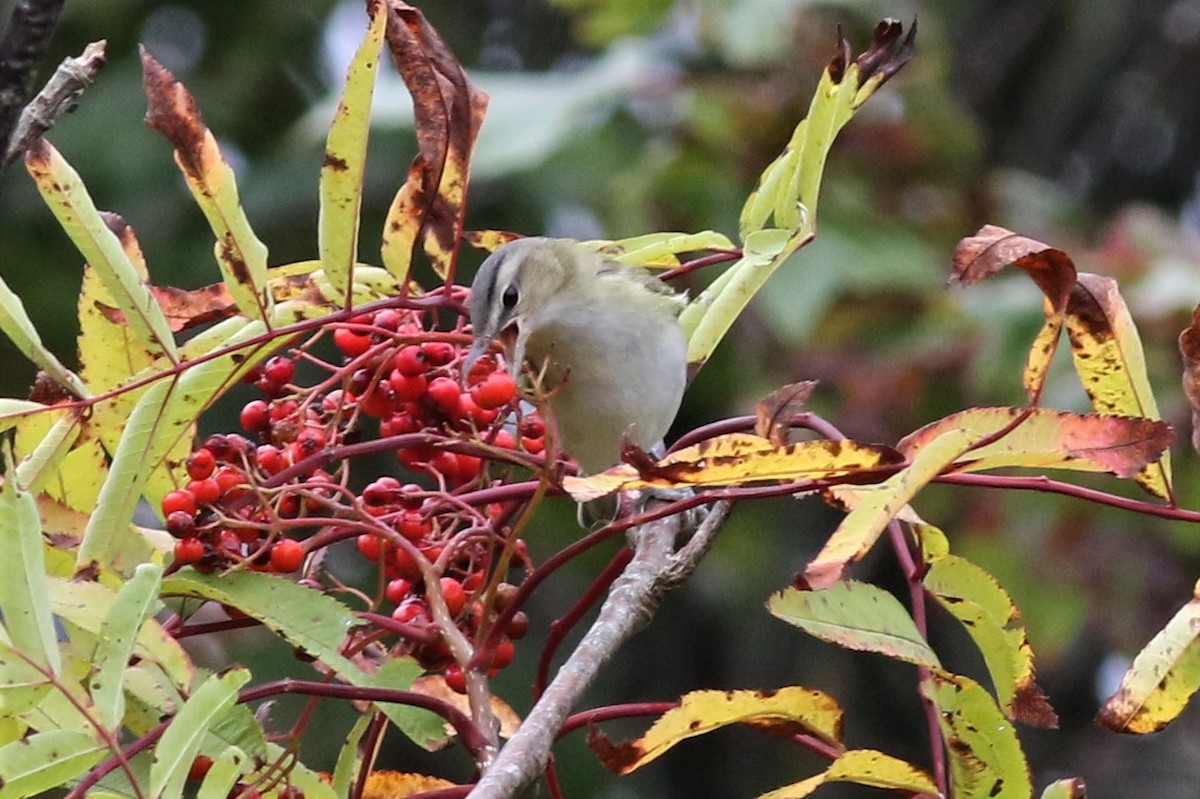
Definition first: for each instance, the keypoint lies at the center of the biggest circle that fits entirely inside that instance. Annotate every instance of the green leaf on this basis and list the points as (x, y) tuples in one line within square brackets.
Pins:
[(24, 594), (87, 604), (856, 616), (986, 761), (423, 727), (862, 527), (178, 746), (226, 769), (659, 249), (350, 760), (1070, 788), (46, 760), (68, 199), (43, 463), (345, 159), (135, 604)]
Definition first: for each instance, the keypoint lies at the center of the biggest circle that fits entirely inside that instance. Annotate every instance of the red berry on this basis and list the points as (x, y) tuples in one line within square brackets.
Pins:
[(308, 443), (438, 353), (405, 565), (533, 446), (287, 555), (503, 655), (206, 491), (255, 416), (269, 459), (398, 590), (333, 401), (407, 388), (443, 392), (456, 680), (388, 319), (368, 546), (410, 362), (532, 427), (283, 409), (480, 416), (351, 343), (229, 478), (454, 594), (179, 500), (230, 541), (188, 551), (379, 401), (199, 768), (411, 611), (518, 625), (410, 496), (496, 391), (200, 464), (469, 467), (279, 370), (445, 464), (381, 492), (181, 524), (504, 440), (413, 527), (397, 424)]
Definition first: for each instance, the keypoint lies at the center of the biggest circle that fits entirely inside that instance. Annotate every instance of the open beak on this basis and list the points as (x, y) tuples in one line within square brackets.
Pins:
[(511, 342)]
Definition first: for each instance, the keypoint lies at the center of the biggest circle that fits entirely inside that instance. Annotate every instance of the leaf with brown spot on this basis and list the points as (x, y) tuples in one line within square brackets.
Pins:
[(986, 759), (740, 458), (345, 159), (489, 240), (448, 112), (241, 256), (1108, 357), (1162, 679), (863, 767), (1049, 439), (775, 412), (988, 614), (789, 710)]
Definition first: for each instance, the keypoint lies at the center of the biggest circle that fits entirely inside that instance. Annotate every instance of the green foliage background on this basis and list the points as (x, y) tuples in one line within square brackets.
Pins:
[(1070, 122)]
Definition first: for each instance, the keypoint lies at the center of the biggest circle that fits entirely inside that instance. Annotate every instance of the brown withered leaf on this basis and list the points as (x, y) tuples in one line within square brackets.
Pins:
[(448, 112), (993, 248), (777, 409), (1189, 348)]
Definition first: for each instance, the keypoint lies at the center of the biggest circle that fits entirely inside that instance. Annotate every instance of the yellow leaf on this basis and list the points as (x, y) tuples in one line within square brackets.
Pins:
[(736, 459), (1161, 680), (864, 767), (789, 710)]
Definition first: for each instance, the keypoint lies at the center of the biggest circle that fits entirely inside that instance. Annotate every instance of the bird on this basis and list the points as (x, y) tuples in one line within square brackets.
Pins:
[(607, 334)]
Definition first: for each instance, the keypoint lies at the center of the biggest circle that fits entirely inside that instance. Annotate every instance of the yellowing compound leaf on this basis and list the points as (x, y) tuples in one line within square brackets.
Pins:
[(1108, 357), (864, 767), (990, 617), (986, 761), (241, 256), (857, 616), (1162, 679), (790, 710), (435, 685), (1041, 438), (68, 199), (448, 112), (862, 527), (736, 459), (397, 785), (346, 157)]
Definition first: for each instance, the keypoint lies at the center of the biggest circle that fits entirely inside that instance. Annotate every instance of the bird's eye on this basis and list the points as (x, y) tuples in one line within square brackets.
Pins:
[(510, 296)]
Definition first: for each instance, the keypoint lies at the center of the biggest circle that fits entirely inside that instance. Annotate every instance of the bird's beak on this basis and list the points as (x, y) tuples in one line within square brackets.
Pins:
[(511, 341)]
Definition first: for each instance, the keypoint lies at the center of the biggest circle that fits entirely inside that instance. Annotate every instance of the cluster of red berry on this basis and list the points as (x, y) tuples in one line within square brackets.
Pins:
[(265, 498)]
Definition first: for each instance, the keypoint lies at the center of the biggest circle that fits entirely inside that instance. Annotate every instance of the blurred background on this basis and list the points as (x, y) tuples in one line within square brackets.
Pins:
[(1069, 121)]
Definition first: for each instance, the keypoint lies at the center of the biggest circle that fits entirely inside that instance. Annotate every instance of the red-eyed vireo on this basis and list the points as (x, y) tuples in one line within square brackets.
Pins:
[(609, 334)]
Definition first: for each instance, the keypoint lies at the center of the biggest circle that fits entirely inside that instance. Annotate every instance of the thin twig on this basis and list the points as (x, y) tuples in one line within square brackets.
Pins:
[(57, 98), (25, 40), (656, 568)]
